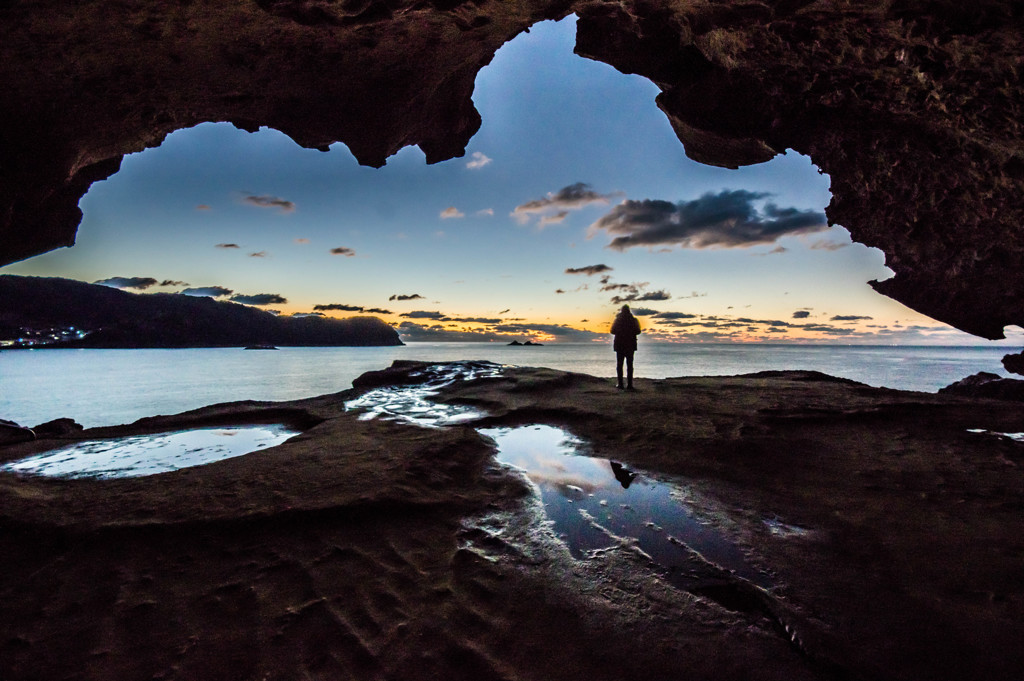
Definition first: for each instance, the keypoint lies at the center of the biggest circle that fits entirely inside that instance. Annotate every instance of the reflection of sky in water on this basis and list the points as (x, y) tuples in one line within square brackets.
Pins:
[(1016, 437), (588, 504), (140, 455), (411, 403)]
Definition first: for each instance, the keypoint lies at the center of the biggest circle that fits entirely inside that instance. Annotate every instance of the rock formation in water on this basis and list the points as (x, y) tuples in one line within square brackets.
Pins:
[(65, 313), (1014, 363), (913, 107)]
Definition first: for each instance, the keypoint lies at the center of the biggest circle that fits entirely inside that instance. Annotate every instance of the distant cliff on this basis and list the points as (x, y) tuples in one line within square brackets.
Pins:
[(66, 313)]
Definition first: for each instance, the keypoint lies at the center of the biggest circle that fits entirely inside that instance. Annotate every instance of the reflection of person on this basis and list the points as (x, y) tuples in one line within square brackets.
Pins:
[(622, 474), (625, 328)]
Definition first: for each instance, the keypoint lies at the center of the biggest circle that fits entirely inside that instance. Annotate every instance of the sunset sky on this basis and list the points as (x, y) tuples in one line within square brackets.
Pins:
[(574, 197)]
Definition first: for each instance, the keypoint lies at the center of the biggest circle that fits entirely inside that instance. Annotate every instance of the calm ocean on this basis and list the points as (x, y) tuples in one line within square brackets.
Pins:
[(107, 387)]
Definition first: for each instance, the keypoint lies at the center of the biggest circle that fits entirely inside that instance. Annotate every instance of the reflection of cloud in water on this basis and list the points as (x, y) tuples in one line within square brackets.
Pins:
[(590, 507), (140, 455), (412, 403)]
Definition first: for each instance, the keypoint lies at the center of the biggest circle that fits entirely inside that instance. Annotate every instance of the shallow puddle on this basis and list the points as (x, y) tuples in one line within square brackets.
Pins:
[(140, 455), (596, 503), (411, 403), (1016, 437)]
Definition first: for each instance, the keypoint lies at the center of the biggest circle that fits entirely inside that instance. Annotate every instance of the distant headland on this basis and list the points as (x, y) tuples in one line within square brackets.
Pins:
[(53, 312)]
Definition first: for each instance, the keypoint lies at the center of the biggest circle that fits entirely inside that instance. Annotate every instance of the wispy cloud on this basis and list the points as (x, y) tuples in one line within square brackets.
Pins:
[(452, 212), (485, 212), (227, 246), (588, 270), (259, 254), (138, 283), (728, 219), (207, 292), (849, 318), (406, 296), (573, 197), (801, 314), (343, 307), (642, 296), (172, 282), (267, 201), (556, 219), (259, 299), (343, 250), (425, 314), (479, 160), (338, 306), (202, 206), (302, 240)]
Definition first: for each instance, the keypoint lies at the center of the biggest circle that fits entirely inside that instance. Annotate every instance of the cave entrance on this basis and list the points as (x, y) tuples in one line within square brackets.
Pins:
[(574, 198)]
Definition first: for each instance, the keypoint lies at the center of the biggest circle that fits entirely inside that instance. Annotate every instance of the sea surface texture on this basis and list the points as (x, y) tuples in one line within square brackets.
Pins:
[(110, 387)]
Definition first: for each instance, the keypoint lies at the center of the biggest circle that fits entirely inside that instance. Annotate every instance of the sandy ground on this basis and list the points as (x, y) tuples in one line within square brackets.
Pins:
[(378, 550)]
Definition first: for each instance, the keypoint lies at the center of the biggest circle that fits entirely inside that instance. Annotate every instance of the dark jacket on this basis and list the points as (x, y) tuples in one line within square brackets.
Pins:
[(625, 328)]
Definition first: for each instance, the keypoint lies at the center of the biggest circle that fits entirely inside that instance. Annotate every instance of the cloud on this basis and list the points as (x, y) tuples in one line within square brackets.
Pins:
[(559, 290), (338, 306), (404, 296), (424, 314), (259, 254), (452, 212), (849, 318), (485, 212), (801, 314), (138, 283), (302, 240), (475, 320), (559, 331), (823, 245), (556, 219), (207, 292), (172, 282), (300, 315), (728, 219), (343, 250), (588, 270), (673, 315), (573, 197), (202, 206), (377, 310), (479, 160), (642, 297), (258, 299), (643, 311), (266, 201), (227, 246)]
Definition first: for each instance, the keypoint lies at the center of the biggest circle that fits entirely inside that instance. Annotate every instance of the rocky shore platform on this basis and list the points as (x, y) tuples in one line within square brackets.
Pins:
[(887, 524)]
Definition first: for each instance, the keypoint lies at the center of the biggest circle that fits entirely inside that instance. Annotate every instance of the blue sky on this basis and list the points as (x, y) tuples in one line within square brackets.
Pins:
[(574, 168)]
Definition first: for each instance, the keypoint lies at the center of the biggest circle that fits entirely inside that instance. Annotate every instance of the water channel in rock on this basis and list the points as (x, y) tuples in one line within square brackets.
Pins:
[(139, 455), (593, 503), (597, 503)]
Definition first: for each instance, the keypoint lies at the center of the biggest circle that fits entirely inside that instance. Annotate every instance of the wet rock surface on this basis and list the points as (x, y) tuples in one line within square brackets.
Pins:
[(378, 549), (912, 107)]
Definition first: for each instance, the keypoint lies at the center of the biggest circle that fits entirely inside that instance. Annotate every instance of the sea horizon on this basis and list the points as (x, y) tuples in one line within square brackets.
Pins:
[(98, 387)]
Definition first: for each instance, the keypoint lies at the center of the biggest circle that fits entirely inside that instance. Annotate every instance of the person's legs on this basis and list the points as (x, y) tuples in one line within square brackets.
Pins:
[(629, 371), (618, 367)]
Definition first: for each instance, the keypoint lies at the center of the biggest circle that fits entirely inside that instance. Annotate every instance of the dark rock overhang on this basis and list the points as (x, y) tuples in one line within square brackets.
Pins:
[(913, 107)]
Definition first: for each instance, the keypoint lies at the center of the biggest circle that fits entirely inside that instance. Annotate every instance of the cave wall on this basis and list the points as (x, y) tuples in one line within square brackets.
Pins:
[(913, 107)]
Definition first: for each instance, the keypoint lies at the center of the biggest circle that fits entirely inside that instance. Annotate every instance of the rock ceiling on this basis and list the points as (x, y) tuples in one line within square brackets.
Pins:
[(913, 107)]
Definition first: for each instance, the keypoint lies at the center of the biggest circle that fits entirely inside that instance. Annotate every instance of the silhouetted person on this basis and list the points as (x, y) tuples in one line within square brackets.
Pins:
[(622, 474), (625, 328)]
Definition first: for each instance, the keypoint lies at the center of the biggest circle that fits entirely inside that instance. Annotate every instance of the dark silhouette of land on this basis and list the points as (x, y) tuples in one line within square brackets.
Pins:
[(44, 310)]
